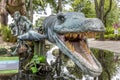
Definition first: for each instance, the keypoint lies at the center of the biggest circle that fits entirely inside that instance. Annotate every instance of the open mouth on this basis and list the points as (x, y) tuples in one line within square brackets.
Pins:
[(78, 46)]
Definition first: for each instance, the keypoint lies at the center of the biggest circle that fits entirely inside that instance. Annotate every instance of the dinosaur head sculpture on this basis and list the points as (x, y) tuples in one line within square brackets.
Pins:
[(69, 32)]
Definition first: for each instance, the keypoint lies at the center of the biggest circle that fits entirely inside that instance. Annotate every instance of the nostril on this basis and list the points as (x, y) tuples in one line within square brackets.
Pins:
[(75, 18)]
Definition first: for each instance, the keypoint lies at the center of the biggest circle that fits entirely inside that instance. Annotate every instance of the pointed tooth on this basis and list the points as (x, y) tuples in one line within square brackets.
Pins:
[(83, 44), (68, 44), (67, 35), (82, 35), (86, 34), (79, 35), (92, 34), (73, 49), (75, 35), (70, 35)]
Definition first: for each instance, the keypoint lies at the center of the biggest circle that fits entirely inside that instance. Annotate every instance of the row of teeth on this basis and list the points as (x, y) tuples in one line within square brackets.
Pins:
[(80, 35), (71, 47)]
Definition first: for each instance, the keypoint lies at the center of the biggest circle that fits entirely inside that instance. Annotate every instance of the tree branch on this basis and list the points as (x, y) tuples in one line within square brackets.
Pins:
[(96, 8), (101, 6), (109, 9)]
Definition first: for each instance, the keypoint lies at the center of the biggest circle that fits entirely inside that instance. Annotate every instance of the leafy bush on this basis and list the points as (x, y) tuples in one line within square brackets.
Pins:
[(112, 37), (109, 34), (3, 51), (109, 31), (6, 34)]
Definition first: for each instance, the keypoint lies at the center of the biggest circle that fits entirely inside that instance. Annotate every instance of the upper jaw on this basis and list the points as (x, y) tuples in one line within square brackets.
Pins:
[(80, 25)]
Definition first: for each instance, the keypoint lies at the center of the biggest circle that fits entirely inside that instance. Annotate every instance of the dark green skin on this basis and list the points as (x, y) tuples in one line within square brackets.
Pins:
[(70, 22)]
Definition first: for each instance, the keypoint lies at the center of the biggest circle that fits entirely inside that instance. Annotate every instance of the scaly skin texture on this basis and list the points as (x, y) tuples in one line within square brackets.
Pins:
[(69, 32)]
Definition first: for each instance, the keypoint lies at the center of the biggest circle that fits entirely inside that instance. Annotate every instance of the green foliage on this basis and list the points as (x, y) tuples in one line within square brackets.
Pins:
[(34, 70), (109, 30), (9, 58), (6, 34), (113, 16), (85, 6), (39, 4), (112, 37), (36, 60), (109, 34), (3, 72), (39, 21), (3, 51)]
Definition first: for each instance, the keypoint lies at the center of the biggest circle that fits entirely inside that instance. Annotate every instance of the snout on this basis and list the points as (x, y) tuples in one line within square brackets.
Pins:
[(80, 25)]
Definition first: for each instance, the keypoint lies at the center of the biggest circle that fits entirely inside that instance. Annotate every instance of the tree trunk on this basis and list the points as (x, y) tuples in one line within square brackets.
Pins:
[(3, 13), (59, 6), (16, 5), (30, 10), (107, 12), (99, 8)]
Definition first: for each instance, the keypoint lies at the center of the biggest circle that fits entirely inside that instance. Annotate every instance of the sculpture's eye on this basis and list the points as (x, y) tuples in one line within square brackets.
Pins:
[(61, 18)]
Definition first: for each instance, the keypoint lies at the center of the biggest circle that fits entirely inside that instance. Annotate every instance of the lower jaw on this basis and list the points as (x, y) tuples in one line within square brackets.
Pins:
[(74, 69), (65, 50)]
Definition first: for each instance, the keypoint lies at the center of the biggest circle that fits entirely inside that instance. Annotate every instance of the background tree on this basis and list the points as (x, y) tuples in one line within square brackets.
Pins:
[(3, 13), (85, 6), (102, 12), (15, 5), (113, 16)]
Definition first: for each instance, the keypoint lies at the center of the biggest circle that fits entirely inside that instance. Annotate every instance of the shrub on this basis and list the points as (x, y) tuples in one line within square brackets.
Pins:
[(3, 51), (112, 37), (109, 31), (109, 34), (6, 34)]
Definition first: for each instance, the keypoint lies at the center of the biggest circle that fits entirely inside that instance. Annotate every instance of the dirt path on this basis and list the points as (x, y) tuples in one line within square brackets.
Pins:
[(113, 46)]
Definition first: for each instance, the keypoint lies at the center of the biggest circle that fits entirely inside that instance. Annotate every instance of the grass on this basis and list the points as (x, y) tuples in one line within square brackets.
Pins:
[(8, 71), (8, 58)]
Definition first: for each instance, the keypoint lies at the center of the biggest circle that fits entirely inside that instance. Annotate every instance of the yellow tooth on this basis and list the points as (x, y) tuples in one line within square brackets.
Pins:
[(79, 35), (70, 46), (71, 35), (82, 35), (89, 34), (85, 46), (86, 34), (67, 35), (75, 35)]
